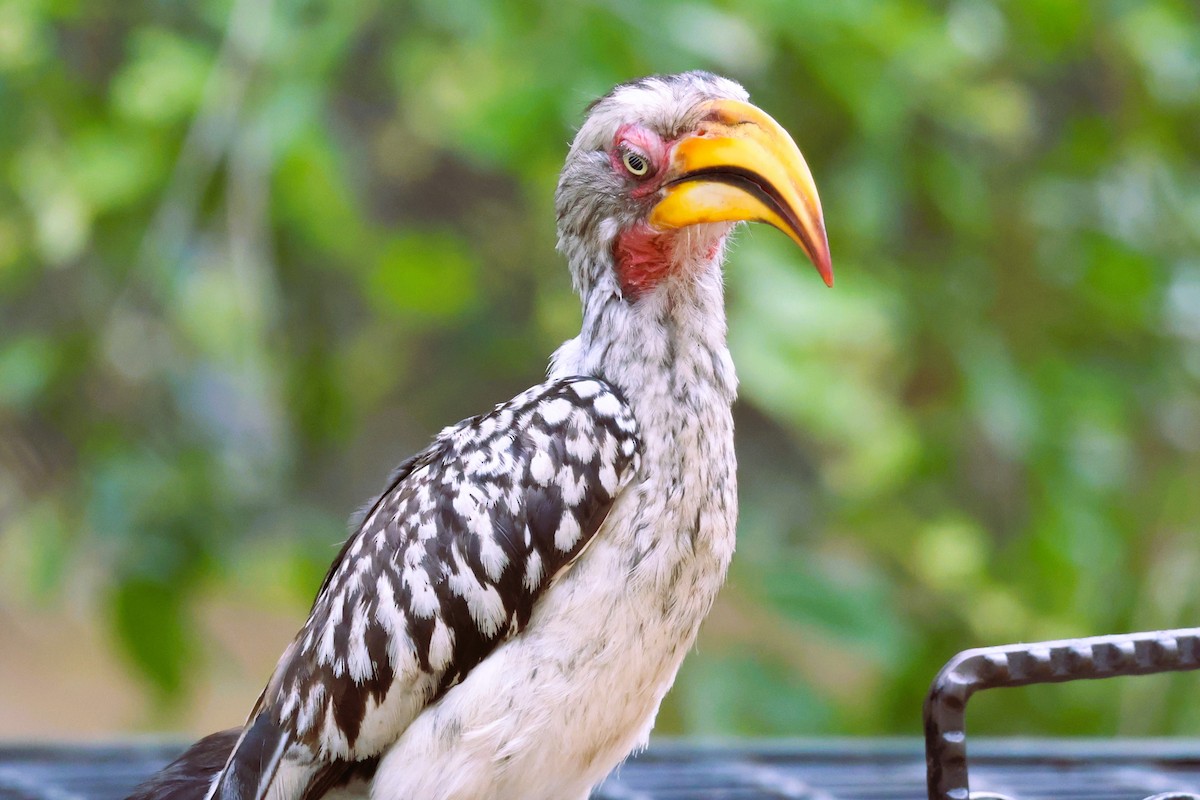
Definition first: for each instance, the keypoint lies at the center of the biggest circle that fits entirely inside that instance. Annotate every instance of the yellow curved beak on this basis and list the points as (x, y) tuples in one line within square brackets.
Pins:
[(743, 166)]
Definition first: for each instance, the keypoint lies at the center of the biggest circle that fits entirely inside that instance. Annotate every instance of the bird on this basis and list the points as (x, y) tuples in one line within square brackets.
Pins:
[(505, 618)]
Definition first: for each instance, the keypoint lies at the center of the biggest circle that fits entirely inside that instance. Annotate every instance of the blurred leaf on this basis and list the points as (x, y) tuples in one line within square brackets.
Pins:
[(740, 695), (836, 594), (164, 78), (424, 273), (22, 36), (148, 619), (113, 168), (26, 367)]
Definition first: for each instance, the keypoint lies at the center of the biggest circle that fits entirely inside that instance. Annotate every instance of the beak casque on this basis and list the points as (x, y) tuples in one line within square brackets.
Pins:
[(743, 166)]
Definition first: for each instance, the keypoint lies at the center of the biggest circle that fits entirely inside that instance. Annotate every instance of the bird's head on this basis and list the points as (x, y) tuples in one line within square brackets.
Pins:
[(661, 170)]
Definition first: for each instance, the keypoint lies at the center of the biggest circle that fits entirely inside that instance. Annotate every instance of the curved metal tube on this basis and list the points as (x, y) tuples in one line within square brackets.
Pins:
[(1023, 664)]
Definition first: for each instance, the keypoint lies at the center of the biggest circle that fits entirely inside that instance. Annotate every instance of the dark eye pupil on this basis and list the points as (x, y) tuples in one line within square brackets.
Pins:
[(635, 163)]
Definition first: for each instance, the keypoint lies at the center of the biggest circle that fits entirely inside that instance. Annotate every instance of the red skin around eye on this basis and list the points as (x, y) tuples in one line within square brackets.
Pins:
[(644, 141)]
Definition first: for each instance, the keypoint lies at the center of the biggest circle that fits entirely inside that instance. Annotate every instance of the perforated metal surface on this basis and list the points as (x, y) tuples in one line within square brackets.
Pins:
[(803, 770)]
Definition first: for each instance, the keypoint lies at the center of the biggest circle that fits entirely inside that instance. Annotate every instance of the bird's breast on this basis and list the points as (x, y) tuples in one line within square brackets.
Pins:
[(554, 709)]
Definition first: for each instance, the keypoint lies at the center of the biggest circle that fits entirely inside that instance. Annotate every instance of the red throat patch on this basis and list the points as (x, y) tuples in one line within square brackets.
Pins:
[(643, 257)]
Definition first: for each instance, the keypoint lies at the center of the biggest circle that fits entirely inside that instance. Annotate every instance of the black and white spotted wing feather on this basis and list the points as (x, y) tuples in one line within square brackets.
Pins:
[(449, 562)]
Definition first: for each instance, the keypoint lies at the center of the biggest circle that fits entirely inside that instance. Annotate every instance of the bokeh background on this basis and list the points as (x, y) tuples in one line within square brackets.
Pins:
[(254, 252)]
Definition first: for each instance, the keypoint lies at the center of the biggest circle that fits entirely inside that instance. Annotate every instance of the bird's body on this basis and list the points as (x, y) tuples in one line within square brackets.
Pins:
[(553, 710), (507, 617)]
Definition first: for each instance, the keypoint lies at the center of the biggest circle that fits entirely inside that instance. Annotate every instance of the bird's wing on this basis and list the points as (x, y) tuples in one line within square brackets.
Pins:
[(445, 565)]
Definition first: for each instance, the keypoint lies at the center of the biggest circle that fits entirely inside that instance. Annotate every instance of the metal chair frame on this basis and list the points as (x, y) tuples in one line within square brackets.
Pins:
[(1092, 658)]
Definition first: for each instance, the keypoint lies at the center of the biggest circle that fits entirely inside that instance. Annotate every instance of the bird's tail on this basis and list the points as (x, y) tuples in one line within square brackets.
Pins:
[(237, 764), (247, 764), (190, 776)]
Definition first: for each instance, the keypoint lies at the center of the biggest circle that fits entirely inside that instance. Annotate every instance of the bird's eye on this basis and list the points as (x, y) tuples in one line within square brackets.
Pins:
[(636, 163)]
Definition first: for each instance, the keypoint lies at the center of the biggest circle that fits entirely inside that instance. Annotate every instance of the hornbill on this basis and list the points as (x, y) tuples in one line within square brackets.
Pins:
[(506, 618)]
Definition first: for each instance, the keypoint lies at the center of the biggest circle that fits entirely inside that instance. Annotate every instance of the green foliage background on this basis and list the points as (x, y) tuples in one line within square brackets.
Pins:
[(254, 252)]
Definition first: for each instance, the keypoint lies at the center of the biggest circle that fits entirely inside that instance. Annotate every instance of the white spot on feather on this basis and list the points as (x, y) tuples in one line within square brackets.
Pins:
[(541, 468), (487, 426), (327, 653), (441, 645), (358, 659), (389, 615), (586, 390), (573, 489), (491, 555), (580, 446), (556, 411), (333, 739), (568, 533), (416, 580), (533, 571), (310, 707), (539, 437), (467, 501), (483, 601), (608, 405), (608, 478)]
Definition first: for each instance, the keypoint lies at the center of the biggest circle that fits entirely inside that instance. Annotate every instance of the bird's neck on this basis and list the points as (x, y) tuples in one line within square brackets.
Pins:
[(664, 349), (664, 343)]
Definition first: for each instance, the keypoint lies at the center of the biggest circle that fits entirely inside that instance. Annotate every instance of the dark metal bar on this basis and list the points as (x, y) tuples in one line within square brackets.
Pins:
[(1023, 664)]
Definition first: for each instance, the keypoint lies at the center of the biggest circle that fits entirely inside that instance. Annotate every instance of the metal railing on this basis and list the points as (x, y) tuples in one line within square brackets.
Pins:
[(1040, 662)]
